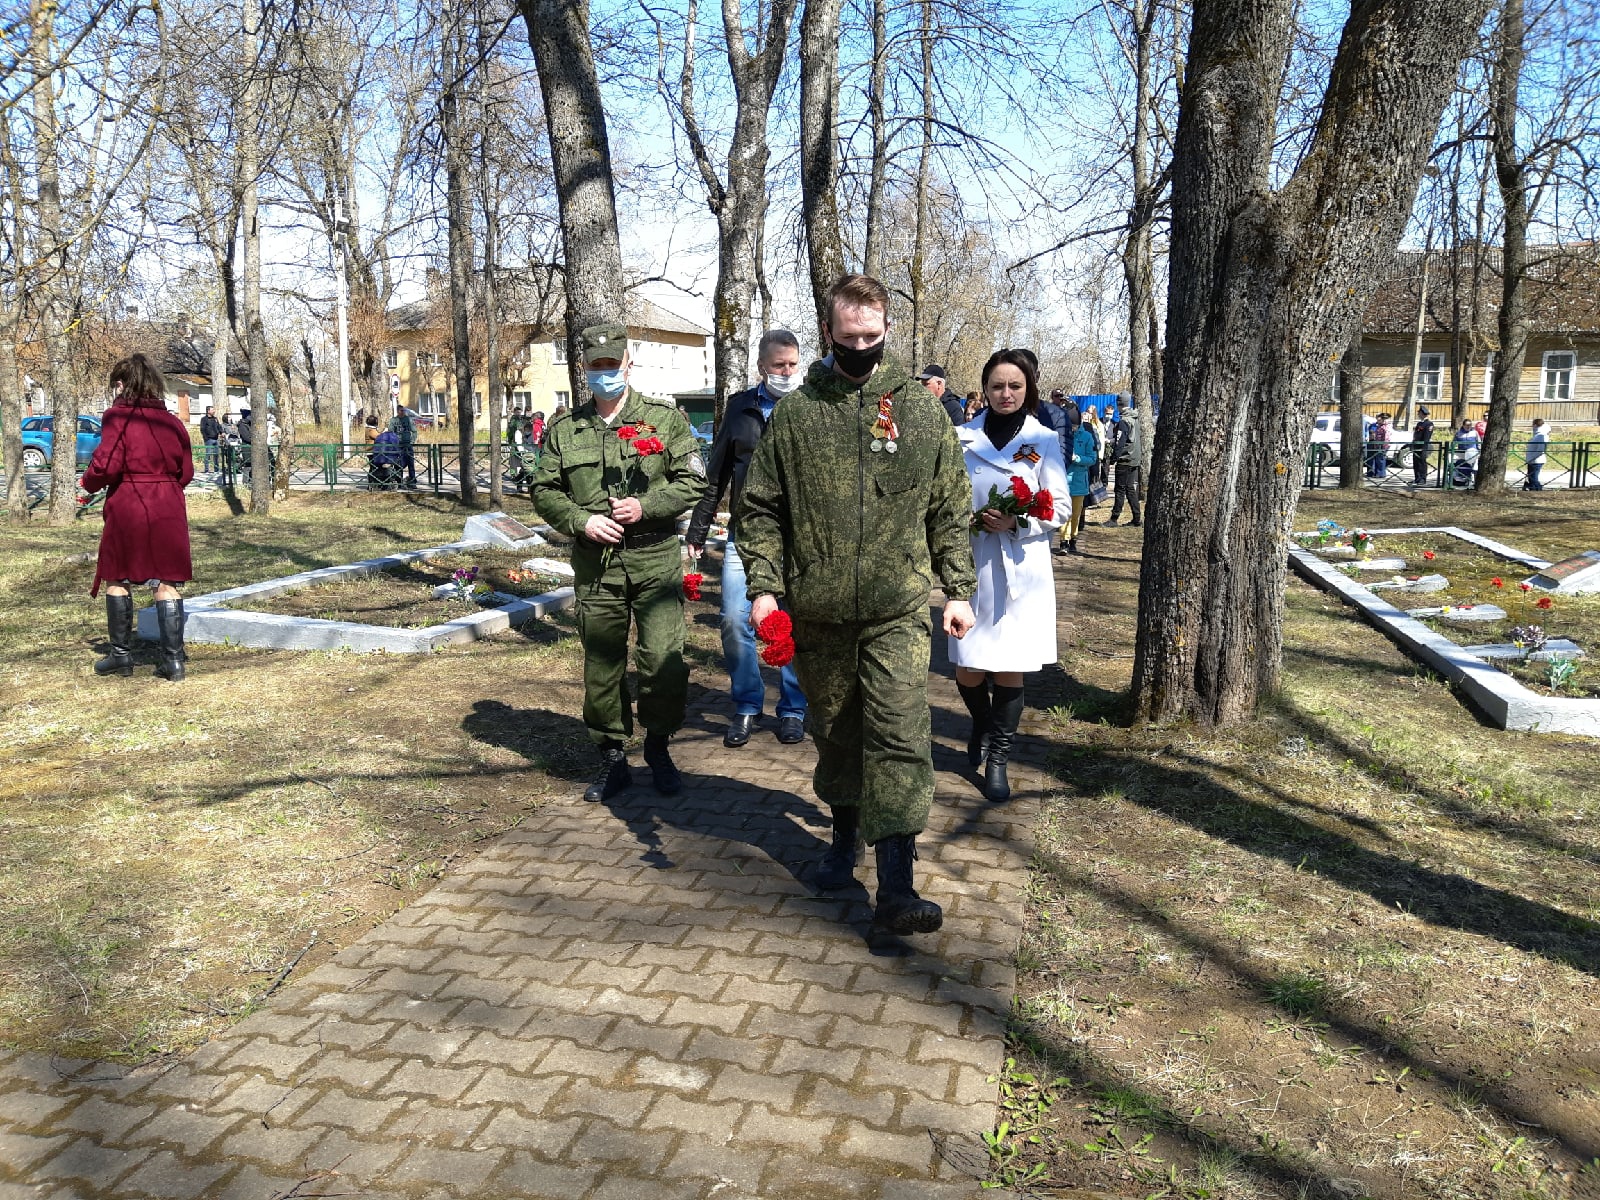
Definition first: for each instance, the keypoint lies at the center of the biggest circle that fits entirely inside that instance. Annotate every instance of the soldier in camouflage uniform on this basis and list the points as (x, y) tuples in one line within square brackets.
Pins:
[(615, 475), (856, 498)]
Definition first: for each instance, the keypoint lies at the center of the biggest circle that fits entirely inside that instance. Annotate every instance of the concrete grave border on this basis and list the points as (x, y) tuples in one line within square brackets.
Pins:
[(209, 620), (1501, 698)]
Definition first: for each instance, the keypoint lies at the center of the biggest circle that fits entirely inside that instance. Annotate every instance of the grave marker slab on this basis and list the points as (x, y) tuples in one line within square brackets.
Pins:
[(1465, 612), (1381, 564), (1575, 576), (1555, 648), (1423, 583), (501, 529), (549, 566)]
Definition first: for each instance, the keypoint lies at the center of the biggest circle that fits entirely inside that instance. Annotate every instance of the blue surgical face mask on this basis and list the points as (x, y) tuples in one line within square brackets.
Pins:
[(607, 385)]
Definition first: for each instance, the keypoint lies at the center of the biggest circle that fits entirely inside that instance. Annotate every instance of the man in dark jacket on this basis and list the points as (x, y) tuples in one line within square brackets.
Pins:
[(743, 423), (856, 502), (211, 435), (933, 379), (1421, 447), (1127, 456)]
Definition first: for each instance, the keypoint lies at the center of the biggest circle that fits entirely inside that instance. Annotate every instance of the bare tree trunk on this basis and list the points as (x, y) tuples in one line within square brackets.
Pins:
[(494, 385), (11, 422), (54, 305), (452, 73), (872, 251), (819, 145), (740, 207), (1147, 413), (288, 418), (1262, 282), (580, 154), (919, 246), (249, 164), (1458, 403), (1352, 402), (1137, 269), (1511, 172), (313, 388), (222, 334)]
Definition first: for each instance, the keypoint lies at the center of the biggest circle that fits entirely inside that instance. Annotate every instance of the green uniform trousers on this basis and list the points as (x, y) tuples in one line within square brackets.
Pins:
[(628, 593), (866, 683)]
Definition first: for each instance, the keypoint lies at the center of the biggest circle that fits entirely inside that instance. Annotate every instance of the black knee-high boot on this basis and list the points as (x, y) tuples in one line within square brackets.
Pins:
[(169, 620), (119, 629), (1006, 715), (976, 698)]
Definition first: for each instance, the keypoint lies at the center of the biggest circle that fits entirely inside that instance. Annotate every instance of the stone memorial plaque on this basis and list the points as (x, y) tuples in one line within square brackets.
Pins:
[(1555, 648), (1381, 564), (549, 566), (1422, 583), (1575, 576), (500, 529), (1469, 613)]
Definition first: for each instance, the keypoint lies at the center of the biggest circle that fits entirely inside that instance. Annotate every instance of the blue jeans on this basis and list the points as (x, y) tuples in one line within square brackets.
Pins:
[(739, 650), (213, 458)]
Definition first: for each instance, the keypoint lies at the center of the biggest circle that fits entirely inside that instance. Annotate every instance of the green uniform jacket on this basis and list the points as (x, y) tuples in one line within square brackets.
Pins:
[(585, 462), (846, 533)]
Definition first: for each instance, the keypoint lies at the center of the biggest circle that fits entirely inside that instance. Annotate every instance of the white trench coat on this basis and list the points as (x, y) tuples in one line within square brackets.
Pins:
[(1015, 604)]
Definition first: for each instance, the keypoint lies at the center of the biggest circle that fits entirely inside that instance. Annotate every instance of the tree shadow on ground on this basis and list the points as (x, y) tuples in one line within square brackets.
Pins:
[(553, 742)]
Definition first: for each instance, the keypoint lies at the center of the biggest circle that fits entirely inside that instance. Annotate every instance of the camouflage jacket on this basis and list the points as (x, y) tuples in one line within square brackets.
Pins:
[(844, 532), (587, 462)]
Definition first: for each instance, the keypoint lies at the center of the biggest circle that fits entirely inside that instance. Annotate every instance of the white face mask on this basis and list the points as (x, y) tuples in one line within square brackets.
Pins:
[(782, 385)]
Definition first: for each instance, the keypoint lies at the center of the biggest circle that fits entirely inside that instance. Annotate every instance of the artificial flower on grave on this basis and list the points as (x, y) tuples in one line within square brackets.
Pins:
[(691, 585), (1362, 541), (1497, 582), (1544, 602), (1530, 639), (1429, 555), (1525, 586)]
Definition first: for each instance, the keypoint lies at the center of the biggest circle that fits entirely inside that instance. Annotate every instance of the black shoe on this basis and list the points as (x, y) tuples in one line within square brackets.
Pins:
[(1072, 546), (169, 620), (1007, 715), (662, 771), (1136, 521), (739, 730), (613, 777), (976, 698), (899, 908), (838, 866), (119, 630), (1114, 521), (791, 730)]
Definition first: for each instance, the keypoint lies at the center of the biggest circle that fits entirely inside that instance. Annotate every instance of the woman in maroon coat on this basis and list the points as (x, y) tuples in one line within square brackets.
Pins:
[(145, 457)]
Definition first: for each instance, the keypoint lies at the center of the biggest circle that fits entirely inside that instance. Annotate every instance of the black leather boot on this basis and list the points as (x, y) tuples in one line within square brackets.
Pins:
[(658, 758), (119, 631), (838, 866), (976, 698), (169, 620), (1007, 715), (613, 777), (900, 909)]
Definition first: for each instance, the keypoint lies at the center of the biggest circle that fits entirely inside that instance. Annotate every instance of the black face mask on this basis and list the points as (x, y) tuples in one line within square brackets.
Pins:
[(858, 364)]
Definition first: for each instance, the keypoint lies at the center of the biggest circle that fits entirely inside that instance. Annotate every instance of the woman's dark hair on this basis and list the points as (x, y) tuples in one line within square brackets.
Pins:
[(373, 419), (142, 385), (1023, 361)]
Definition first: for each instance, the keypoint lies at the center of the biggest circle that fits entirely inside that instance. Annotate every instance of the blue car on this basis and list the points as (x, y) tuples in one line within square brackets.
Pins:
[(704, 433), (38, 441)]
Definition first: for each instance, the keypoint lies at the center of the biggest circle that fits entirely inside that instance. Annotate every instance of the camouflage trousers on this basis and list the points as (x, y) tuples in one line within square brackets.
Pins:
[(649, 596), (866, 683)]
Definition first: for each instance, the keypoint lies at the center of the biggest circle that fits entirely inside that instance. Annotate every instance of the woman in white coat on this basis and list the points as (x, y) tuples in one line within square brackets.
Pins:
[(1015, 604)]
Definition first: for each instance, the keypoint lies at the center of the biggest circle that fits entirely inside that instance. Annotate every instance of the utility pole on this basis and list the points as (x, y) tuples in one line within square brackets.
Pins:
[(340, 232)]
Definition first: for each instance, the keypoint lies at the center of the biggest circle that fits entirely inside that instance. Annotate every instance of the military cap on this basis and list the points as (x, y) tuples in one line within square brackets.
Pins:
[(606, 340)]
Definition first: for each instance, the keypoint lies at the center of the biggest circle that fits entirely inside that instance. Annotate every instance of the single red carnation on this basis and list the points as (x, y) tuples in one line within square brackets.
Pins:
[(628, 432), (1020, 489), (1429, 555), (779, 653), (776, 627), (1043, 507), (1497, 582), (1525, 586), (1544, 602)]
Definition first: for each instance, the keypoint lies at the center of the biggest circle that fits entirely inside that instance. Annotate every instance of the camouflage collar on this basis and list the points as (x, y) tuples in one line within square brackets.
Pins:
[(823, 382)]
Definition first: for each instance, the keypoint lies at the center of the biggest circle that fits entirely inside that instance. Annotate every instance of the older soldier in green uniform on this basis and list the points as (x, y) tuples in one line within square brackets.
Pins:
[(856, 498), (615, 475)]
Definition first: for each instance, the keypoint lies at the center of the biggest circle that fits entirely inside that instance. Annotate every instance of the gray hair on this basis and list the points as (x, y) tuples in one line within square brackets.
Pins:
[(776, 337)]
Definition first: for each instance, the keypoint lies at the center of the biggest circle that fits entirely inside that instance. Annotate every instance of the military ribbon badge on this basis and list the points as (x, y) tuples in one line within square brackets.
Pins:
[(1027, 454), (884, 430)]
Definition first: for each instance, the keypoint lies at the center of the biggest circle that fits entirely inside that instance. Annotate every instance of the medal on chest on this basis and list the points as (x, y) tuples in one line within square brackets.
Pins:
[(885, 433)]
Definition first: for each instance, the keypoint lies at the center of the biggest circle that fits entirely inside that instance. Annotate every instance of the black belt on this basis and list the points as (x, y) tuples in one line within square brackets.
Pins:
[(635, 541)]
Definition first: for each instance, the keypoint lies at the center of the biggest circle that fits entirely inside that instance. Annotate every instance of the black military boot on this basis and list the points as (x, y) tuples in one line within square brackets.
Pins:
[(659, 759), (1003, 722), (900, 909), (169, 620), (838, 866), (119, 630), (976, 697), (613, 777)]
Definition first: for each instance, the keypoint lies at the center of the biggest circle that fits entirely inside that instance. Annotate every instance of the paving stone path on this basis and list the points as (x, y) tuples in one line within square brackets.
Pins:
[(639, 1000)]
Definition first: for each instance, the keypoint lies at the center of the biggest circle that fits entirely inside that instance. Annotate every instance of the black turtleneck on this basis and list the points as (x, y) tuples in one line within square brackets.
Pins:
[(1000, 429)]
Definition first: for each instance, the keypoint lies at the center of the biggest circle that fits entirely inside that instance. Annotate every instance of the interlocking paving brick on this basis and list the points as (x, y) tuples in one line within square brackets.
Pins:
[(602, 1141), (19, 1151), (342, 1110), (352, 1158), (87, 1160), (463, 1171), (549, 1138), (726, 1165), (269, 1144), (106, 1122), (913, 1150), (763, 1125), (735, 1083), (189, 1130), (440, 1124), (440, 1083), (523, 1175), (165, 1175)]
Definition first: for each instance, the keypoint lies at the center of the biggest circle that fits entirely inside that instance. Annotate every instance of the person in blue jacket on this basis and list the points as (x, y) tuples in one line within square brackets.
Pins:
[(1085, 454)]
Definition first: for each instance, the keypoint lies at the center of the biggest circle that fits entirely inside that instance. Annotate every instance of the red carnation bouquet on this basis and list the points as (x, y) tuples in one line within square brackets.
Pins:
[(691, 585), (777, 631), (1019, 500)]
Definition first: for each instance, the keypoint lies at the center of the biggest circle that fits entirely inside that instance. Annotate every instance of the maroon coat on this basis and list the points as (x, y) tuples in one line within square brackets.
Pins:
[(145, 458)]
